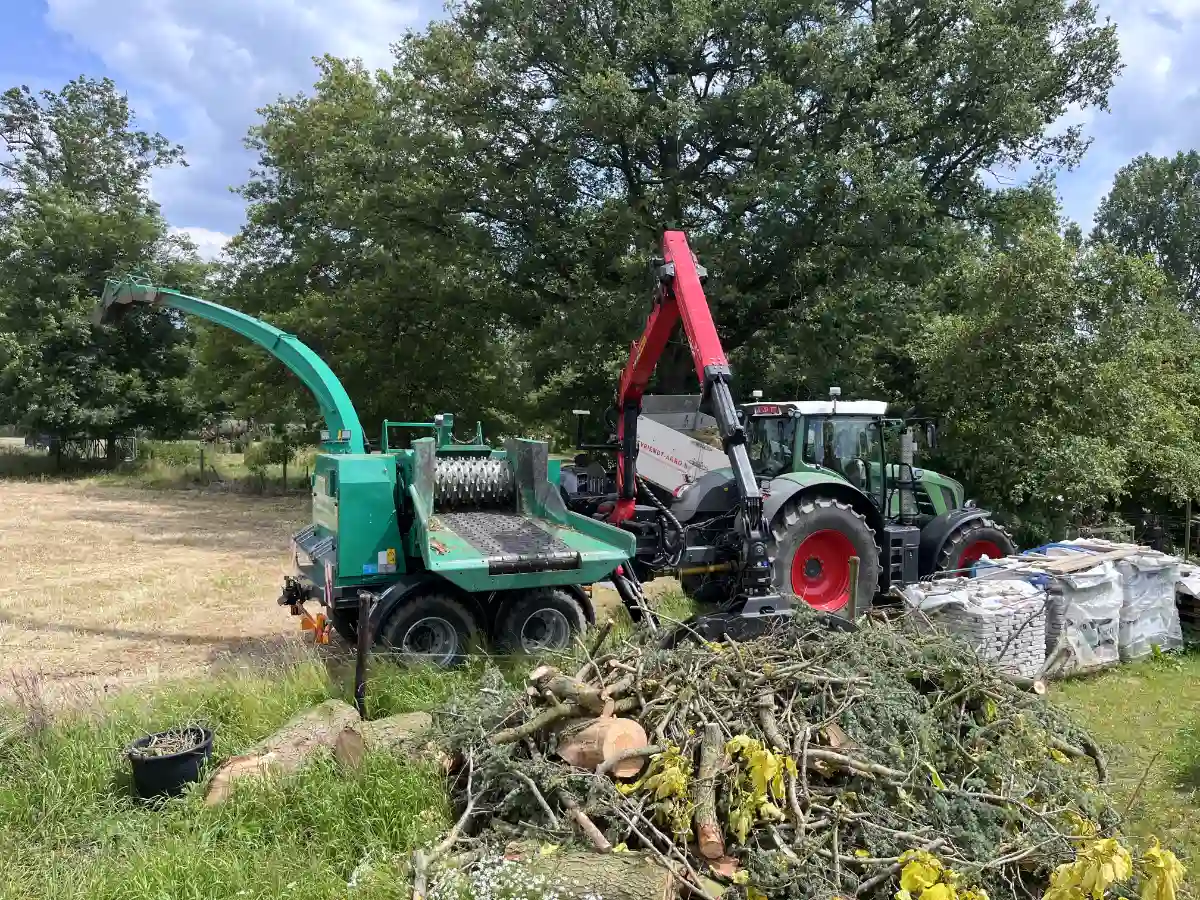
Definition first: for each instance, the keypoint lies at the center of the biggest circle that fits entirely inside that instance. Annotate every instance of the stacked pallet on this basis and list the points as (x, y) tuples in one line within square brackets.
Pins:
[(1003, 620)]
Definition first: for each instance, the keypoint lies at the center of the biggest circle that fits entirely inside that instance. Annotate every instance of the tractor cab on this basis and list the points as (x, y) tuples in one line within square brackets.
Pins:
[(854, 442)]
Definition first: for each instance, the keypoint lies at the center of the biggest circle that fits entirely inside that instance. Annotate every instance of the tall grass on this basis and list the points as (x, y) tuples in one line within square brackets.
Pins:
[(71, 828)]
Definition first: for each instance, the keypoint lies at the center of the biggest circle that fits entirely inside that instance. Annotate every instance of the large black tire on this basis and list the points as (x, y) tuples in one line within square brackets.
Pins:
[(540, 621), (814, 538), (345, 623), (970, 542), (431, 629)]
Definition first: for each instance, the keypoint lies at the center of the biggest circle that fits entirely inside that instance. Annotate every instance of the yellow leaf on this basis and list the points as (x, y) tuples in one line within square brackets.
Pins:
[(620, 848), (939, 891), (921, 871), (754, 894), (1163, 873), (989, 710), (935, 778), (1059, 756), (738, 743), (741, 876), (861, 853), (547, 849)]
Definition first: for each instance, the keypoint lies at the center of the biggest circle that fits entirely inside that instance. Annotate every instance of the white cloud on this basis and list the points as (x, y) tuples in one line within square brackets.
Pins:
[(206, 66), (208, 243), (1155, 104)]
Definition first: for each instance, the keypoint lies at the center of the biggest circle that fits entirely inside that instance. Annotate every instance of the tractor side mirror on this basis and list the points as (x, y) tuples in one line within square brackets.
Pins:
[(930, 435)]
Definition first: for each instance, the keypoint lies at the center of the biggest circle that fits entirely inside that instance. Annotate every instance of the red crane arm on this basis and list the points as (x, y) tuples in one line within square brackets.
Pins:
[(679, 296)]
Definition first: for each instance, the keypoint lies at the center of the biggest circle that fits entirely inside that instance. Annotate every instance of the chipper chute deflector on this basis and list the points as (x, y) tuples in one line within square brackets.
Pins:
[(456, 540)]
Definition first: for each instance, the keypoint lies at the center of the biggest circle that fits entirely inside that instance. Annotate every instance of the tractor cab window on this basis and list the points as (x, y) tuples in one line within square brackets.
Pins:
[(848, 445), (771, 439)]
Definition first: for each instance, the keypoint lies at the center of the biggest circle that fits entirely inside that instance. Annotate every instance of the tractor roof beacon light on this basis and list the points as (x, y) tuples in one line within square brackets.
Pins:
[(834, 393)]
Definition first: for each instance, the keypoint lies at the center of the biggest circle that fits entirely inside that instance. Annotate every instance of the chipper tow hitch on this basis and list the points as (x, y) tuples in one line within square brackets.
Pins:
[(294, 596)]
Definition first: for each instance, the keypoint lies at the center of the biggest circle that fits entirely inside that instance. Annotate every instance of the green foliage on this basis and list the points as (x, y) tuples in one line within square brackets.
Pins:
[(1067, 379), (1154, 209), (76, 208), (470, 231), (272, 452), (173, 454)]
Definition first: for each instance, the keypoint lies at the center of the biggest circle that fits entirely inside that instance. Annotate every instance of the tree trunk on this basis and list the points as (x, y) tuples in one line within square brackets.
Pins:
[(322, 728), (574, 875), (110, 450)]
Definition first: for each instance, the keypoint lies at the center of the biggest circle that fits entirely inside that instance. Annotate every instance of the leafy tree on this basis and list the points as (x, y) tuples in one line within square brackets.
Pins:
[(76, 208), (1154, 209), (518, 164), (1068, 379)]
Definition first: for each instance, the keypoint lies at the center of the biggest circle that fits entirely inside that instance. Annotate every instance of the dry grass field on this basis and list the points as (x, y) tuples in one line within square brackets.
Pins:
[(107, 587)]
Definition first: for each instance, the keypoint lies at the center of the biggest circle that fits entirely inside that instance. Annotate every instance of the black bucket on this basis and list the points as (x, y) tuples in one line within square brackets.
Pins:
[(156, 776)]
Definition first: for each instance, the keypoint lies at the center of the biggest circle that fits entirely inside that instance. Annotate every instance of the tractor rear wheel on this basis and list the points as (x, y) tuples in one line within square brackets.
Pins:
[(814, 540), (433, 629), (540, 621), (973, 541)]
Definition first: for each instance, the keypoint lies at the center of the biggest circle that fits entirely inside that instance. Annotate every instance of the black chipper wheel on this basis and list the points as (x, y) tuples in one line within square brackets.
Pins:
[(814, 538), (971, 542), (345, 623), (540, 621), (432, 629)]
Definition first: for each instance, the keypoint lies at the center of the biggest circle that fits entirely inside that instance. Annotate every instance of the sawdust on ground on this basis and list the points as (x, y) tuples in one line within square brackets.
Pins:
[(107, 587)]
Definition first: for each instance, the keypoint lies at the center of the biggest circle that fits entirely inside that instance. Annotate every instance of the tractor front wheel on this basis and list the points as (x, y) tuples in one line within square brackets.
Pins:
[(814, 540), (433, 629), (973, 541)]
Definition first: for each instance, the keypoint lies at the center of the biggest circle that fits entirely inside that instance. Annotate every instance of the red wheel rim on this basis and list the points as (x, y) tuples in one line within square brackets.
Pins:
[(975, 551), (821, 570)]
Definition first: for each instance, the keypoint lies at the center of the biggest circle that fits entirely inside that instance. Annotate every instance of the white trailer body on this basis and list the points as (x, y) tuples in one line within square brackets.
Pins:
[(670, 459)]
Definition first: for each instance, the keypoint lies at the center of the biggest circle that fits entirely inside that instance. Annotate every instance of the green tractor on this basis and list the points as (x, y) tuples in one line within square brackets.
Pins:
[(833, 491), (837, 479)]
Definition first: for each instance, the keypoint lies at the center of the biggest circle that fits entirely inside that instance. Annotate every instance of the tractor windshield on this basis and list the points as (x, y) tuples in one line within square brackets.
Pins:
[(848, 445), (772, 443)]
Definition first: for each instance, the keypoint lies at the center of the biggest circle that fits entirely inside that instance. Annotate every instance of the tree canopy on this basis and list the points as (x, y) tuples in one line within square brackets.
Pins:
[(74, 209), (1154, 209)]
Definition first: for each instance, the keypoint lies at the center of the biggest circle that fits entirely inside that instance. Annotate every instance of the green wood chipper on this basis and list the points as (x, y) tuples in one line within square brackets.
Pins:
[(455, 542)]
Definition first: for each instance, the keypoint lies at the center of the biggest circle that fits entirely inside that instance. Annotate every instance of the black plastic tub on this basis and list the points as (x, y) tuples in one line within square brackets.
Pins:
[(157, 775)]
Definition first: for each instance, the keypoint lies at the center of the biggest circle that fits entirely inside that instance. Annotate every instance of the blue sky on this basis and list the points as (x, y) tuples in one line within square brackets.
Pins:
[(197, 70)]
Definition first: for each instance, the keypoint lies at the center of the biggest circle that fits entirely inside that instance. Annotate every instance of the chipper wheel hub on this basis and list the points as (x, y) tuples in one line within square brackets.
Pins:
[(474, 483)]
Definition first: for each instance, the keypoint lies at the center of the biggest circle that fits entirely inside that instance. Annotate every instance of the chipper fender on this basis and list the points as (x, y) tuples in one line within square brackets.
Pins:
[(938, 533)]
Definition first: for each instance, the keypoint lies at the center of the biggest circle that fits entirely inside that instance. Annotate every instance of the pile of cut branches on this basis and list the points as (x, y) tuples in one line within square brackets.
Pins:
[(807, 763)]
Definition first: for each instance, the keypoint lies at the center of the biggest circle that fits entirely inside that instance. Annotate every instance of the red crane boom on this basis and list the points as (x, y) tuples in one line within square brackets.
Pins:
[(679, 296)]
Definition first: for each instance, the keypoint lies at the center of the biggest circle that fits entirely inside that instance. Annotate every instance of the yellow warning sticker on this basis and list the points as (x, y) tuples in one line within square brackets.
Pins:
[(391, 556)]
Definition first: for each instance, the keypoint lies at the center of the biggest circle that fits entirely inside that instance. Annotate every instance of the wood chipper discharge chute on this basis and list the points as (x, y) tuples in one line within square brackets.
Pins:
[(456, 541)]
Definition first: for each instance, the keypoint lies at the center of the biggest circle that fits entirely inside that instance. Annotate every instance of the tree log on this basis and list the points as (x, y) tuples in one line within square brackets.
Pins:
[(332, 725), (602, 741), (576, 874), (708, 829)]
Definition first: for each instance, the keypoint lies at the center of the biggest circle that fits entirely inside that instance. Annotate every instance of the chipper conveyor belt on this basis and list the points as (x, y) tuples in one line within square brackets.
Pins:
[(476, 499)]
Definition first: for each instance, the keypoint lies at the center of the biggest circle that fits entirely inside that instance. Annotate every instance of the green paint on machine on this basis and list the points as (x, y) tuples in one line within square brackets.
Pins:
[(475, 519)]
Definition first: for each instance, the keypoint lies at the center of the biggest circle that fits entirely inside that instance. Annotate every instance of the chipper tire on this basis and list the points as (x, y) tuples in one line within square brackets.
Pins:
[(431, 629), (540, 621), (973, 541), (345, 623), (814, 540)]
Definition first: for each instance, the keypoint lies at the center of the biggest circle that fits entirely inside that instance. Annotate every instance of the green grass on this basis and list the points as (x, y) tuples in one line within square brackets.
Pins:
[(72, 830), (1147, 716)]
